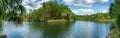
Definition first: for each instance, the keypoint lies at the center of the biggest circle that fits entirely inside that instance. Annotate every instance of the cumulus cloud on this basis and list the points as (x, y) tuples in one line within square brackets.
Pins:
[(32, 4), (84, 2), (83, 11)]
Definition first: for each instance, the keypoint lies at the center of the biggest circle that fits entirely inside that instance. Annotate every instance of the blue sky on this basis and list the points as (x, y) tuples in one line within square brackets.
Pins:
[(78, 7)]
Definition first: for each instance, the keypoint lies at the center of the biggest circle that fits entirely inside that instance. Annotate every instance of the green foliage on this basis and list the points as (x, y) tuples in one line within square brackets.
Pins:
[(110, 10), (51, 11), (115, 9), (94, 17), (3, 36), (11, 9), (8, 5)]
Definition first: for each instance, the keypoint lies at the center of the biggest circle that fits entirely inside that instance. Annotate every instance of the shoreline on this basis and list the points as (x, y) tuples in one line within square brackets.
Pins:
[(113, 32), (60, 20)]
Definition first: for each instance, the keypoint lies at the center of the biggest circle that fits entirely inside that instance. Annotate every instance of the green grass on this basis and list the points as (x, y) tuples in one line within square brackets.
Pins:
[(105, 20), (60, 20)]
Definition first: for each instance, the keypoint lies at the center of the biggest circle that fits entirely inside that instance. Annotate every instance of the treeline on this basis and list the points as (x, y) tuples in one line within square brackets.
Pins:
[(51, 11), (95, 17), (13, 10)]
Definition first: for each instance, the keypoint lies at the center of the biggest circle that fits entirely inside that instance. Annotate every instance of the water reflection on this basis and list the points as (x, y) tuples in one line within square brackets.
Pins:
[(78, 29), (83, 29), (52, 30)]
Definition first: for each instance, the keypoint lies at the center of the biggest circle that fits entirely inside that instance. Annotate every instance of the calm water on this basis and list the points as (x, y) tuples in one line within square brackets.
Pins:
[(77, 29)]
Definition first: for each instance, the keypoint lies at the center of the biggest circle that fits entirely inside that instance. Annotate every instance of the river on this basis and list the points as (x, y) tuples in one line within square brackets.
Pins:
[(77, 29)]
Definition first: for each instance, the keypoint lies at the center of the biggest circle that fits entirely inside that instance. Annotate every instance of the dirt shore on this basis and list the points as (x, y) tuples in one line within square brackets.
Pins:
[(113, 32)]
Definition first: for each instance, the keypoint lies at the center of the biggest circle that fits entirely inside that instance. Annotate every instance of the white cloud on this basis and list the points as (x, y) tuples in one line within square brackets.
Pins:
[(84, 2), (104, 0), (83, 11), (32, 4), (104, 10), (45, 0)]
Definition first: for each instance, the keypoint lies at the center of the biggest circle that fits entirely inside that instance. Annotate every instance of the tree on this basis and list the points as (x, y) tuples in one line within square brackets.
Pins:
[(11, 7), (52, 10), (116, 13), (116, 8), (110, 10)]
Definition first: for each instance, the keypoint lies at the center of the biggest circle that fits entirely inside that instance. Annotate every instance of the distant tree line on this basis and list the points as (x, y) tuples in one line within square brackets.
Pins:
[(94, 17)]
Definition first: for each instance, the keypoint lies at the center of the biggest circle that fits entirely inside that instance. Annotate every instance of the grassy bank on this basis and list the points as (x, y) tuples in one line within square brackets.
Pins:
[(61, 20), (105, 20)]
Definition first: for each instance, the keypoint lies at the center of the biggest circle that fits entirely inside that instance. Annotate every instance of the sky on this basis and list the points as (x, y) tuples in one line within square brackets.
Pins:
[(78, 7)]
